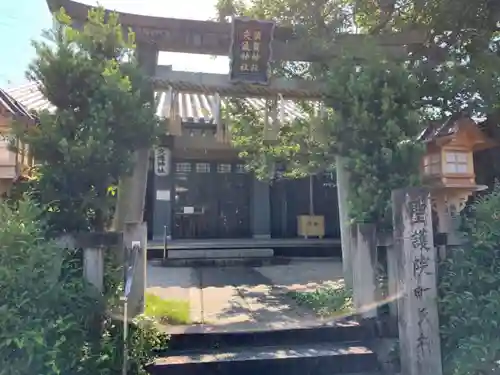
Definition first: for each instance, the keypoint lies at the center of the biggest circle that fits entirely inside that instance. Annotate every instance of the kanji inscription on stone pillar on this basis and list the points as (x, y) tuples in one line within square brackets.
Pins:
[(417, 302)]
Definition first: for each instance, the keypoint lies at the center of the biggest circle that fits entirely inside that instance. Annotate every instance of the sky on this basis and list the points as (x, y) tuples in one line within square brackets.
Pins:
[(23, 20)]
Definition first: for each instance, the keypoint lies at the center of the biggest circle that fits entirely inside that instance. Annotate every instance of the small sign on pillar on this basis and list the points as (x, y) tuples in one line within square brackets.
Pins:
[(417, 303), (162, 161), (135, 240)]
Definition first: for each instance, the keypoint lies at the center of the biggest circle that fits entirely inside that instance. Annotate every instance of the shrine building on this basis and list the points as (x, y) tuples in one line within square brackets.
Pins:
[(198, 187)]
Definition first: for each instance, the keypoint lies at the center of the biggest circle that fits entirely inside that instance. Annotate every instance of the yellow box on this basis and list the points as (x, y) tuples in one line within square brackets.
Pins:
[(311, 226)]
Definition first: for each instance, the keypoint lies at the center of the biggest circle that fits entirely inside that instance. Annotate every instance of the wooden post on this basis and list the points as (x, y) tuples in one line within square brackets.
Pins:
[(219, 133), (174, 120), (386, 240), (317, 127), (271, 121), (136, 234), (447, 223), (418, 323), (93, 245), (364, 257), (93, 266)]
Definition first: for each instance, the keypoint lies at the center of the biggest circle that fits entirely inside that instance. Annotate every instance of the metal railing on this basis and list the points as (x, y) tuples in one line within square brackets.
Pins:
[(165, 244)]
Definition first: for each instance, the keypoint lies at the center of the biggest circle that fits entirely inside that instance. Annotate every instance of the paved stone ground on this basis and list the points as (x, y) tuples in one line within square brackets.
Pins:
[(237, 298), (305, 275)]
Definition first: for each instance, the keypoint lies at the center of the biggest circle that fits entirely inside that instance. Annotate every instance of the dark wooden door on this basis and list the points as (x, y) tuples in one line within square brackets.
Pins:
[(326, 203), (290, 198), (233, 201), (211, 201)]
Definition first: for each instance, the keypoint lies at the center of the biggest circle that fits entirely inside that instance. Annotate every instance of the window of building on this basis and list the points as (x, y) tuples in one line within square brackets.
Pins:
[(329, 179), (240, 168), (202, 168), (456, 162), (183, 167), (224, 168), (432, 164)]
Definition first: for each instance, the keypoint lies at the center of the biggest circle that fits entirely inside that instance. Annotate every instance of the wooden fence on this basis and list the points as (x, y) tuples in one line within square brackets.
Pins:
[(129, 250)]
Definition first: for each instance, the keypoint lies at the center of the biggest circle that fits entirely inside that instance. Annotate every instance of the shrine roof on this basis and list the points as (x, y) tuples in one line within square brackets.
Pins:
[(451, 126), (13, 106), (437, 130), (192, 107)]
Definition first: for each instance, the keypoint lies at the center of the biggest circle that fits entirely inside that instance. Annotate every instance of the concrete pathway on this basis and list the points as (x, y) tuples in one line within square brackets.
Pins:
[(240, 298)]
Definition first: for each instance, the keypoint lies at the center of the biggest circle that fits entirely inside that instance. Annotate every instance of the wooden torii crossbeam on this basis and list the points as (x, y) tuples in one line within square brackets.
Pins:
[(210, 83), (214, 38)]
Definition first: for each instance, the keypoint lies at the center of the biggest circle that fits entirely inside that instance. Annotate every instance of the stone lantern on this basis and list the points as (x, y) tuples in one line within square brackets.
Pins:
[(447, 167)]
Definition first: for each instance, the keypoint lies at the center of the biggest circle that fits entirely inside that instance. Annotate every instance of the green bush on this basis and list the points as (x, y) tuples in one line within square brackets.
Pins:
[(143, 340), (39, 331), (51, 321), (469, 287), (326, 301)]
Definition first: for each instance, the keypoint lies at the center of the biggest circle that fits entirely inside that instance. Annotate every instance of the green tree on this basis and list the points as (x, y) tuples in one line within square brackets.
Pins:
[(374, 105), (44, 313), (102, 115), (469, 291), (298, 150), (47, 310), (376, 116)]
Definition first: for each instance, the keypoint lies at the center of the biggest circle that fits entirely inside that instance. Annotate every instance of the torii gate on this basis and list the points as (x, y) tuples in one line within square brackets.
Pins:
[(154, 34)]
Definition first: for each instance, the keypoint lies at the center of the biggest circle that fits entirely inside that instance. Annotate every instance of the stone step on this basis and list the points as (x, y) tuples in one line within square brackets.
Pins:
[(317, 359), (220, 253), (304, 252), (224, 262), (346, 330)]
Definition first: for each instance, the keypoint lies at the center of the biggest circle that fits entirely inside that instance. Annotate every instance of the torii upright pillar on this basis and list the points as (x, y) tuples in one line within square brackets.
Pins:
[(345, 230), (132, 189)]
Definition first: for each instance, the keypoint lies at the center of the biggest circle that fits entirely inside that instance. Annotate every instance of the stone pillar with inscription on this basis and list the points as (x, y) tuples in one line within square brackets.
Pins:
[(418, 323)]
